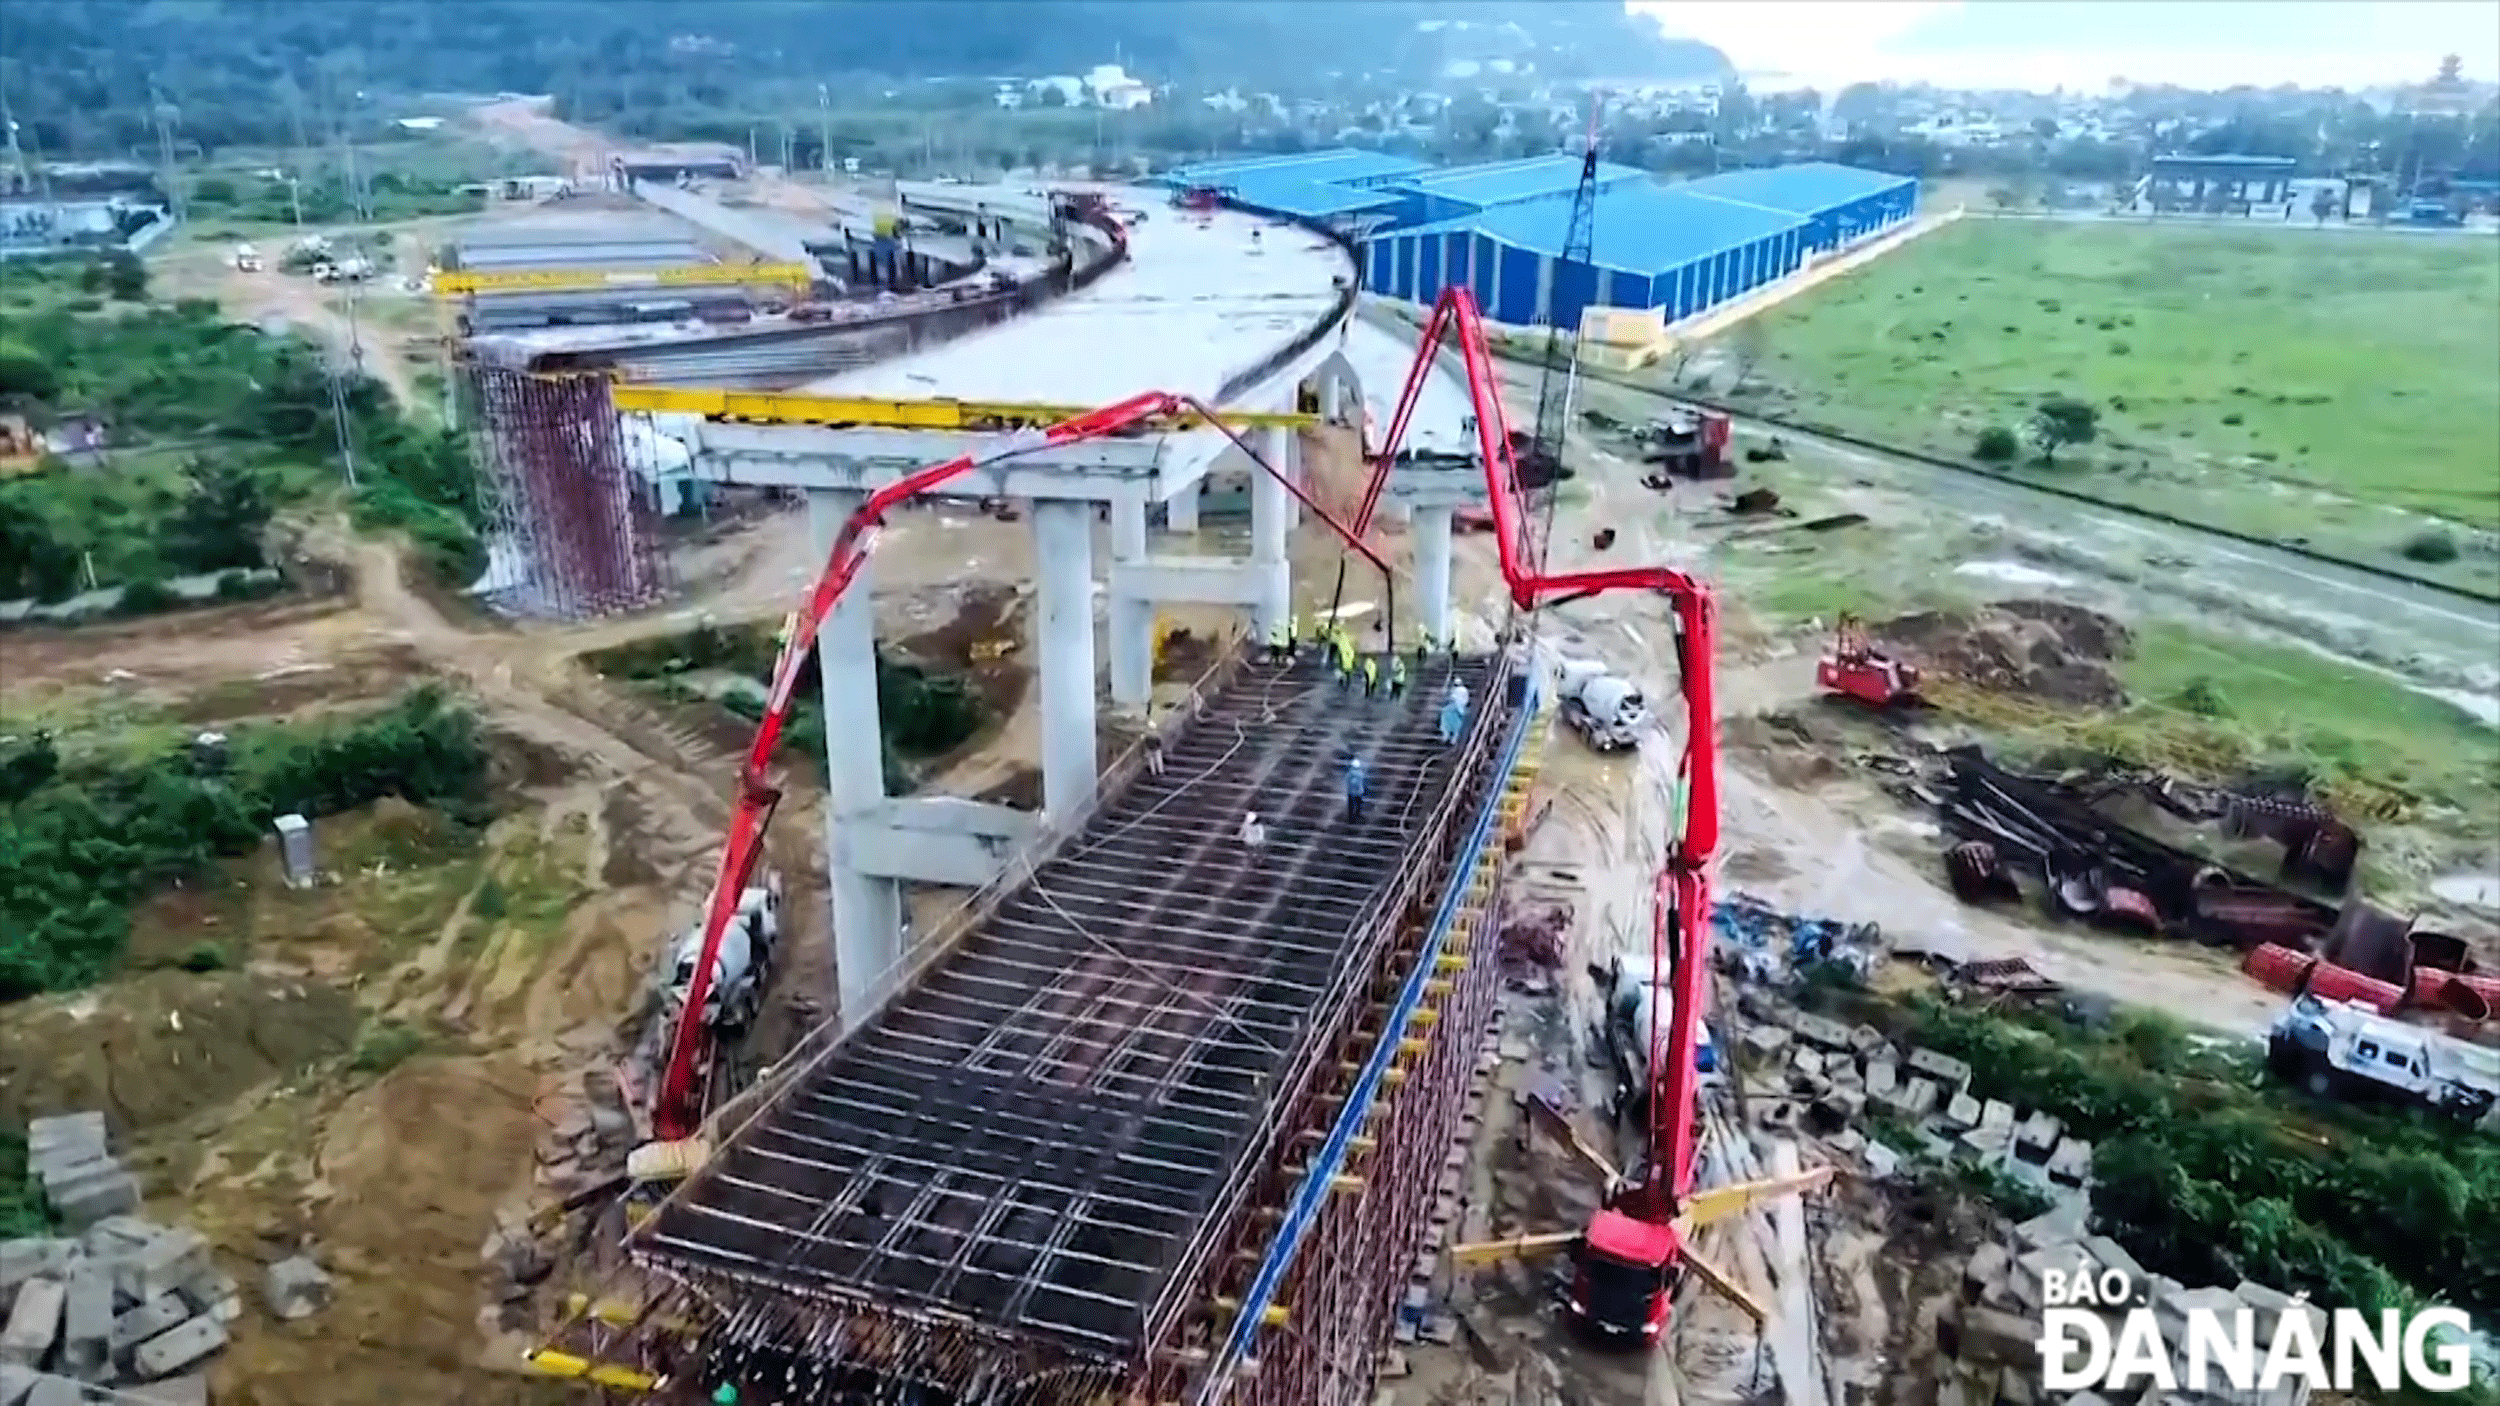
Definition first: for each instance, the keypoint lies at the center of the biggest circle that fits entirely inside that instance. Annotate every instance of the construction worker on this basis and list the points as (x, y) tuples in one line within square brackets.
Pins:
[(1357, 786), (1453, 714), (1371, 675), (1345, 658), (1423, 647), (1397, 676), (1154, 752), (1253, 834), (1280, 643), (1293, 633)]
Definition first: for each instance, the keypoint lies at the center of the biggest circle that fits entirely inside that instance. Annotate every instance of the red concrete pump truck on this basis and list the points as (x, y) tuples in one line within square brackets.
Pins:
[(1631, 1254)]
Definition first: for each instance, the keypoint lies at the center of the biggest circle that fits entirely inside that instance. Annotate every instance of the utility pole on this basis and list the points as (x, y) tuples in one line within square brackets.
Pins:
[(17, 157), (824, 131), (302, 155), (164, 112)]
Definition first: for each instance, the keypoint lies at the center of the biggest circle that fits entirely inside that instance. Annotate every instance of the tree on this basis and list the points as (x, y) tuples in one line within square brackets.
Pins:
[(126, 277), (218, 525), (2061, 421)]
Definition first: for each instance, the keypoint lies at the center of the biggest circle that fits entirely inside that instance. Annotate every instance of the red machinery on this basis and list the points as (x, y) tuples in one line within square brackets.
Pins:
[(1854, 668), (1630, 1257)]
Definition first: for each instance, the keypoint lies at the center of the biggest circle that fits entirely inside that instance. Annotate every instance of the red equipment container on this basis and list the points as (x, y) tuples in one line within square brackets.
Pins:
[(2329, 982), (2278, 968), (2487, 987)]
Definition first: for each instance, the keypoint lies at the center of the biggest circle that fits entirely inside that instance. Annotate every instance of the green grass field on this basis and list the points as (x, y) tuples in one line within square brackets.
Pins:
[(2342, 389)]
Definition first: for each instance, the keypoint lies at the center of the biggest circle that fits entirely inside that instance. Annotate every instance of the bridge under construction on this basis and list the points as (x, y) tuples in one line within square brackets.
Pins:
[(1162, 1119)]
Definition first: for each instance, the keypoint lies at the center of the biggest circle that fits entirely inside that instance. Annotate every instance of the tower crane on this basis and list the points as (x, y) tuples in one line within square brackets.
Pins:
[(1544, 459)]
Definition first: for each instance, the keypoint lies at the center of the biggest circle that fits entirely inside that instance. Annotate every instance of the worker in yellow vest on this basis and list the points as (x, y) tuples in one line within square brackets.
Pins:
[(1345, 658), (1280, 643), (1371, 675)]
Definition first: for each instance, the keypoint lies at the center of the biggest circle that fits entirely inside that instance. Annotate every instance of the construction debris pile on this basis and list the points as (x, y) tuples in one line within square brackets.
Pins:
[(2100, 870), (124, 1303), (1801, 1068), (2043, 650), (2014, 828), (1766, 945), (1987, 1335)]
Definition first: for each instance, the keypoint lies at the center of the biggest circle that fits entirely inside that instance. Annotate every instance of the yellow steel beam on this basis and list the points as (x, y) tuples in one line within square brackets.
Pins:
[(462, 283), (548, 1362), (776, 408)]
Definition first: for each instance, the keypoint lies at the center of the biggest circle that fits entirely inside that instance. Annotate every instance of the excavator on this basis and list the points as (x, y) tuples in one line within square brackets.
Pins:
[(1632, 1254)]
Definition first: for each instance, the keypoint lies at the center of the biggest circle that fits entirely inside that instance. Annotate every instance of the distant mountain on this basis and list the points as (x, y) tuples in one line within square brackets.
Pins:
[(547, 45)]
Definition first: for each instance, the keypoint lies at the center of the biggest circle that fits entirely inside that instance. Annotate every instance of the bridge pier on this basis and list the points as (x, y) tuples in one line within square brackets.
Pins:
[(1180, 511), (1063, 626), (867, 908), (1132, 612), (1271, 518), (1430, 531)]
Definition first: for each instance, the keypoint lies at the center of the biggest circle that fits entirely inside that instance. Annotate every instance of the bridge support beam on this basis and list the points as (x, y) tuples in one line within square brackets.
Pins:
[(1063, 551), (1180, 511), (867, 908)]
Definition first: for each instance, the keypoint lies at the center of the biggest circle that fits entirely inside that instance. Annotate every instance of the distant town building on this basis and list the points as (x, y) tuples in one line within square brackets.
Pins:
[(1110, 86)]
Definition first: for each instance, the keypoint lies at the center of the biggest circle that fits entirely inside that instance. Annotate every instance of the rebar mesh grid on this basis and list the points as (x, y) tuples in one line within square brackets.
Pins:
[(573, 531), (1001, 1177)]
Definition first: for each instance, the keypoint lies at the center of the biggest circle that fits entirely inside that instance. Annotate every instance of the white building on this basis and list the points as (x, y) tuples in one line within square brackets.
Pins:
[(1111, 87)]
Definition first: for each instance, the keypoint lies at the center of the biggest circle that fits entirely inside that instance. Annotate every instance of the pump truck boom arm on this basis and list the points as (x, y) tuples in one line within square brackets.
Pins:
[(675, 1113)]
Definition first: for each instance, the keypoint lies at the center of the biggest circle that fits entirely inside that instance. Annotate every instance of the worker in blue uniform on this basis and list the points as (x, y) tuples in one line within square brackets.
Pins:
[(1357, 786)]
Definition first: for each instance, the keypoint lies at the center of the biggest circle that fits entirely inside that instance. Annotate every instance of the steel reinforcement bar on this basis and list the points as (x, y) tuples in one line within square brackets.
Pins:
[(1307, 1327), (1051, 1310)]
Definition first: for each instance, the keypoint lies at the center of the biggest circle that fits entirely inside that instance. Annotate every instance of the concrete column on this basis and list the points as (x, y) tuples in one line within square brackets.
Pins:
[(867, 911), (1180, 512), (1432, 569), (1132, 617), (1063, 551), (1285, 452), (1268, 523)]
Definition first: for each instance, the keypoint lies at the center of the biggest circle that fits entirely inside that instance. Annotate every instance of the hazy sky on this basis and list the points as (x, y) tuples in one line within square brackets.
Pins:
[(2084, 43)]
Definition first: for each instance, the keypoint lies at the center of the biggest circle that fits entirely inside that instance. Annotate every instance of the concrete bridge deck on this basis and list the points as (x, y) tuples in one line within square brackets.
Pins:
[(1031, 1141)]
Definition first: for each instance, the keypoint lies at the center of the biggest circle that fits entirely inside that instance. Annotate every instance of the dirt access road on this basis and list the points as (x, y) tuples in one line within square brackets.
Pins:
[(1832, 846), (321, 311)]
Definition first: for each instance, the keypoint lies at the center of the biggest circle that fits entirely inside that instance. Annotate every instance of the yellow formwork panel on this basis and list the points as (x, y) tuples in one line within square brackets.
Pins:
[(770, 407), (464, 283)]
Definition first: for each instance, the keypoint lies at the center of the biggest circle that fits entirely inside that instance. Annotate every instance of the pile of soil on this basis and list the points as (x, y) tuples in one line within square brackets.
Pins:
[(154, 1049), (983, 639), (2057, 653)]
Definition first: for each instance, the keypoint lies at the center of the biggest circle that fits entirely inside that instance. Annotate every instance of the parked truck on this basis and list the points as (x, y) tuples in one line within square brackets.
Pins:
[(1607, 711), (742, 967), (2342, 1049)]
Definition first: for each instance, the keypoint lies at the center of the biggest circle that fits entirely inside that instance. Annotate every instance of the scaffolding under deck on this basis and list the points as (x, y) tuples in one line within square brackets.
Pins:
[(1015, 1182)]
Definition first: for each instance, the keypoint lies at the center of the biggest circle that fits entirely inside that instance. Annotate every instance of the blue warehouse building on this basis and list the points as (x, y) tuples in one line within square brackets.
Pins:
[(1683, 249), (1499, 228)]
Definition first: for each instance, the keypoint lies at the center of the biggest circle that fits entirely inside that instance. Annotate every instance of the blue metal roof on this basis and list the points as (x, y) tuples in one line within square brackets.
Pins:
[(1508, 182), (1809, 188), (1643, 229), (1291, 195), (1339, 164)]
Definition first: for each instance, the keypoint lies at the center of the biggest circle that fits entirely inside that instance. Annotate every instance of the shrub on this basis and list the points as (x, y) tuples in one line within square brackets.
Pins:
[(78, 846), (1996, 445), (146, 596), (205, 957), (384, 1046), (2431, 547)]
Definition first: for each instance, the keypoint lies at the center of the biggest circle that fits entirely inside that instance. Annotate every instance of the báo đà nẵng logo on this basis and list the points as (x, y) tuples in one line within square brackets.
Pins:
[(2098, 1332)]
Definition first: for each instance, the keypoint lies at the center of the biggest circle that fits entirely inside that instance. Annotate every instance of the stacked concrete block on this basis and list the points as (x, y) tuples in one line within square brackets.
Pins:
[(81, 1179), (130, 1307), (1987, 1336)]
